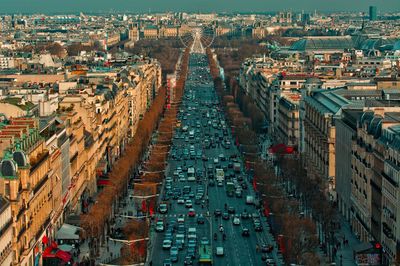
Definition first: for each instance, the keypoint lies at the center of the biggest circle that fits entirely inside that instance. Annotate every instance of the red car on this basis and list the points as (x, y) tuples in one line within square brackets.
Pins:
[(192, 213)]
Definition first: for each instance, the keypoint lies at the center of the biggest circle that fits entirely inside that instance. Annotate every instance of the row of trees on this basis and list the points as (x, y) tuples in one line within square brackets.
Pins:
[(153, 173), (296, 235), (166, 51)]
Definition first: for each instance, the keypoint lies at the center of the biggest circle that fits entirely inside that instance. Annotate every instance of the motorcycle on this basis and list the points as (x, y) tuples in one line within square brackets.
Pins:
[(223, 237), (215, 236)]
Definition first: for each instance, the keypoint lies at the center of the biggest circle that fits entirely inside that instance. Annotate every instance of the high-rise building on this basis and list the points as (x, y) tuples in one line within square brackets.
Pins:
[(372, 13)]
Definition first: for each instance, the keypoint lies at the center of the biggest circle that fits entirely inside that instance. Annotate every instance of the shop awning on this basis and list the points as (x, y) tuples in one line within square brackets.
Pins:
[(68, 232)]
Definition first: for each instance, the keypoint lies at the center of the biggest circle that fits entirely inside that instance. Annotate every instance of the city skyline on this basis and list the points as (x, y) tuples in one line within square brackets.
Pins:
[(46, 6)]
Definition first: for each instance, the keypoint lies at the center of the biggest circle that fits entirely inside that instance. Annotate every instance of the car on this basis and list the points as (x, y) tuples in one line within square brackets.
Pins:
[(173, 251), (231, 209), (270, 261), (181, 201), (204, 241), (225, 216), (191, 213), (179, 244), (267, 248), (220, 184), (217, 212), (188, 203), (181, 229), (245, 215), (188, 260), (182, 178), (258, 228), (219, 251), (211, 183), (181, 219), (174, 258), (191, 252), (238, 193), (245, 231), (167, 262), (159, 226), (244, 186), (162, 208), (236, 220), (201, 219), (167, 244)]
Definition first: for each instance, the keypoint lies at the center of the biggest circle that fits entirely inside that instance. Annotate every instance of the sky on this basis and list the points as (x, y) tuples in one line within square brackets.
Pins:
[(60, 6)]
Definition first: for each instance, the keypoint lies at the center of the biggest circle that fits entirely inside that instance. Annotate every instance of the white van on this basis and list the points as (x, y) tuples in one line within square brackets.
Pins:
[(191, 177)]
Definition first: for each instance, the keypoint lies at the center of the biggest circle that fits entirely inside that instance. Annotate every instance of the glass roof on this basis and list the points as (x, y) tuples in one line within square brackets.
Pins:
[(323, 43)]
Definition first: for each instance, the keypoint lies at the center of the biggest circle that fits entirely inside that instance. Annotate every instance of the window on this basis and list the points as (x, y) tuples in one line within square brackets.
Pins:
[(7, 189)]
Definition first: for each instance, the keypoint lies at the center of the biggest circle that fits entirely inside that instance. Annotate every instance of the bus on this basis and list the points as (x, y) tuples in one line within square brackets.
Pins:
[(205, 254)]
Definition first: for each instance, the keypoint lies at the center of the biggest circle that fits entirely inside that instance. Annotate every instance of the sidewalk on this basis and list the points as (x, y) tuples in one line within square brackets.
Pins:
[(344, 255), (111, 249)]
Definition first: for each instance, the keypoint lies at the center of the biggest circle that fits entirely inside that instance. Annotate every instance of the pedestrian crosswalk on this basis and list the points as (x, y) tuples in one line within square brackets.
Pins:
[(175, 215)]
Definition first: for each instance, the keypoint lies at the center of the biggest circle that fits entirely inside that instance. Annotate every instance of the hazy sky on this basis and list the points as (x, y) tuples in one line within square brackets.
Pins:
[(23, 6)]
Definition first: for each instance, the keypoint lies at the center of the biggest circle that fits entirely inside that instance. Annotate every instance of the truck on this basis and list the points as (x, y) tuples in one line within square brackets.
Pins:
[(236, 167), (219, 173), (205, 254), (230, 189)]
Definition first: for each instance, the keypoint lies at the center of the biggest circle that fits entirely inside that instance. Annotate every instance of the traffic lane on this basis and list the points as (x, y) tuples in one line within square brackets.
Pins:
[(239, 250)]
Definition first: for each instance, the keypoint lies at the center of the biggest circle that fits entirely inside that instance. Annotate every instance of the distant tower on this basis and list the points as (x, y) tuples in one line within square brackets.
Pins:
[(372, 13)]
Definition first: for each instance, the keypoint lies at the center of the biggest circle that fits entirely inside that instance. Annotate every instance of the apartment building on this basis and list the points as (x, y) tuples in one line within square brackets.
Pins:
[(374, 189), (6, 62), (390, 208), (150, 32), (6, 233), (346, 131), (321, 107), (288, 128), (27, 181)]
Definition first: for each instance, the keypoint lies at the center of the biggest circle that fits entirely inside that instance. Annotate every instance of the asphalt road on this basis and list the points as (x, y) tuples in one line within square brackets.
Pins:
[(201, 115)]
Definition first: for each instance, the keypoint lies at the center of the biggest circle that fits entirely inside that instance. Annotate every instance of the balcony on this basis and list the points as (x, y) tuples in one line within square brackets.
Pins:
[(40, 184), (42, 228), (21, 232), (391, 181)]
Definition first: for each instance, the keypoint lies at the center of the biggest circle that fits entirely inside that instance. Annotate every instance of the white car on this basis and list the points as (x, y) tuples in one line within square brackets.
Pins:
[(181, 201), (236, 221), (167, 244), (188, 203), (160, 226), (219, 251), (181, 219)]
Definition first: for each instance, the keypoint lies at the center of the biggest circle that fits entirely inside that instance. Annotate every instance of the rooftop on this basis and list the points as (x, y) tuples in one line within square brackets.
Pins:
[(327, 101), (323, 43), (17, 102)]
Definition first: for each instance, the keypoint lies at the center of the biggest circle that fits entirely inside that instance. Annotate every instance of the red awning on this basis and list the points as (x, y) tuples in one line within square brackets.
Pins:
[(45, 240), (281, 148), (65, 256)]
